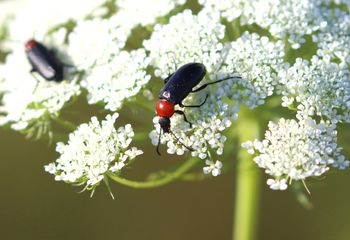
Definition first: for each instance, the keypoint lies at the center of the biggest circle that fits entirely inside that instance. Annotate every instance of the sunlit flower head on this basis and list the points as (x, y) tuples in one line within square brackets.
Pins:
[(35, 18), (144, 12), (120, 79), (295, 150), (190, 38), (319, 87), (334, 40), (251, 61), (88, 50), (93, 150), (186, 38), (257, 61), (283, 18)]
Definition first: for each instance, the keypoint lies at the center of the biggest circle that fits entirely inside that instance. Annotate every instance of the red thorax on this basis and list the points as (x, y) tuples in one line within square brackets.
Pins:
[(30, 44), (164, 108)]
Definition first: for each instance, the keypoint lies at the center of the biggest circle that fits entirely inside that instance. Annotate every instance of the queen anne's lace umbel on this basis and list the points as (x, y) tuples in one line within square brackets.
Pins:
[(257, 61), (319, 87), (28, 23), (92, 151), (118, 80), (186, 38), (283, 18), (333, 41), (190, 38), (144, 12), (99, 48), (253, 72), (295, 150)]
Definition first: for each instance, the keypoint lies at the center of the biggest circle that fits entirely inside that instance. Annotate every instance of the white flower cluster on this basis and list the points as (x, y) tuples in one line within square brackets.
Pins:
[(93, 150), (334, 40), (144, 12), (228, 9), (257, 66), (189, 38), (257, 61), (120, 79), (27, 101), (27, 98), (109, 73), (213, 168), (295, 150), (283, 18), (186, 38), (8, 8), (88, 50), (319, 87), (35, 18)]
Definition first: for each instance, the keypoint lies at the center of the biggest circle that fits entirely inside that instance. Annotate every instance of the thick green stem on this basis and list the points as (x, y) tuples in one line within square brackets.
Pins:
[(186, 166), (247, 188)]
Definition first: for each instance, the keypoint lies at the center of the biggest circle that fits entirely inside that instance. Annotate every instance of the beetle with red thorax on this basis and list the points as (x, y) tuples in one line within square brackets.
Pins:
[(177, 87), (44, 61)]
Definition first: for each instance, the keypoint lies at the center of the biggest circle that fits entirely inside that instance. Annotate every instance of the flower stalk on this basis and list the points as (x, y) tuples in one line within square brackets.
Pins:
[(170, 177), (247, 185), (66, 124)]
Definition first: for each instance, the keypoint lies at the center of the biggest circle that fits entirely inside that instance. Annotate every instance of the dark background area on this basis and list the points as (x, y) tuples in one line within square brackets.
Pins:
[(34, 206)]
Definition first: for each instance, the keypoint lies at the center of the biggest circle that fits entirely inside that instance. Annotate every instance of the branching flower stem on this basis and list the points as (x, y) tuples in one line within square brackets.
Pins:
[(66, 124), (185, 167), (247, 182)]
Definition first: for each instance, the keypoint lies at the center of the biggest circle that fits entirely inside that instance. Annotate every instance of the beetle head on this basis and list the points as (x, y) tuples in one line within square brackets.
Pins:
[(164, 123)]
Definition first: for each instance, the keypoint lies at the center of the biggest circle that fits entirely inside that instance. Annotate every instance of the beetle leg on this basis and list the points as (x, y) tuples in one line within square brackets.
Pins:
[(207, 84), (68, 65), (37, 80), (195, 106), (183, 114), (159, 137), (35, 77), (181, 143)]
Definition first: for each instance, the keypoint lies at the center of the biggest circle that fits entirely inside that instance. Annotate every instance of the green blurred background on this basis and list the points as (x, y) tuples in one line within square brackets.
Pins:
[(34, 206)]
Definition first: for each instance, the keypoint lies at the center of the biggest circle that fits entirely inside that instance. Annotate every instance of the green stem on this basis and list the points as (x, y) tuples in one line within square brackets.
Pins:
[(247, 188), (186, 166), (66, 124), (236, 28)]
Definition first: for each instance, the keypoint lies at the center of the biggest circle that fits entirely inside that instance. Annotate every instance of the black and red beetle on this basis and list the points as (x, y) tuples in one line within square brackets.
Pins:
[(177, 87), (44, 61)]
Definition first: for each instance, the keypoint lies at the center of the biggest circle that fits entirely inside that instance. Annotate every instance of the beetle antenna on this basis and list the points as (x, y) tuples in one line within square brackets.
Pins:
[(178, 140), (160, 134), (36, 79), (210, 83)]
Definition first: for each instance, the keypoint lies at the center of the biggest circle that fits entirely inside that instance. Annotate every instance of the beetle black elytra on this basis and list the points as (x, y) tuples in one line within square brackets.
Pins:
[(177, 87), (44, 61)]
